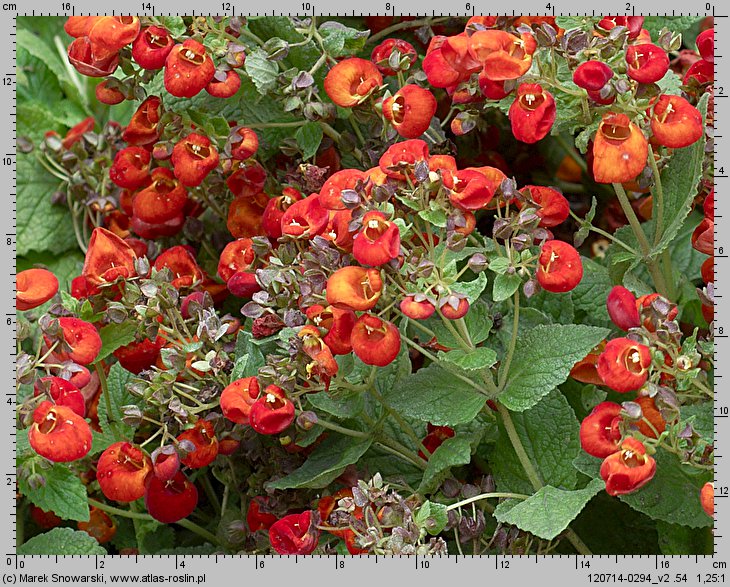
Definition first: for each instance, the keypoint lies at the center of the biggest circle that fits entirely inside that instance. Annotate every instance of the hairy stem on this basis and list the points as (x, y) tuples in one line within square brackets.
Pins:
[(504, 370)]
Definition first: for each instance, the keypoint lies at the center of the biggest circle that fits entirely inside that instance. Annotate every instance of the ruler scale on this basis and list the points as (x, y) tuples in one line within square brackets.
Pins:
[(356, 571)]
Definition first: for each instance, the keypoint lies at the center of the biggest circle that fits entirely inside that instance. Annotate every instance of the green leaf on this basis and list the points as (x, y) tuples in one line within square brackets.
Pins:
[(435, 395), (681, 540), (679, 183), (309, 137), (471, 289), (549, 434), (62, 541), (478, 322), (558, 307), (325, 464), (434, 215), (671, 83), (118, 397), (673, 495), (585, 23), (676, 24), (590, 294), (175, 25), (432, 516), (38, 219), (505, 286), (346, 404), (701, 417), (302, 57), (249, 358), (543, 359), (549, 511), (453, 452), (263, 73), (114, 336), (63, 493), (339, 40), (153, 536), (479, 358)]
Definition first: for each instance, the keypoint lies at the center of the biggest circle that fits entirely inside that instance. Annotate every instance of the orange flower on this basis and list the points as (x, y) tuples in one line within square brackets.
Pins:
[(600, 434), (585, 369), (206, 444), (629, 469), (151, 48), (354, 288), (532, 114), (247, 180), (238, 397), (226, 87), (79, 26), (375, 341), (305, 218), (110, 33), (193, 158), (448, 61), (384, 58), (81, 56), (33, 288), (624, 365), (188, 69), (653, 415), (245, 215), (401, 158), (336, 324), (108, 258), (417, 307), (559, 267), (244, 143), (106, 94), (182, 264), (675, 123), (143, 127), (62, 392), (163, 200), (272, 412), (553, 209), (58, 433), (707, 498), (622, 308), (131, 168), (323, 363), (471, 190), (620, 150), (275, 208), (100, 526), (122, 471), (236, 256), (410, 110), (351, 81), (330, 196), (378, 242), (503, 56), (139, 356)]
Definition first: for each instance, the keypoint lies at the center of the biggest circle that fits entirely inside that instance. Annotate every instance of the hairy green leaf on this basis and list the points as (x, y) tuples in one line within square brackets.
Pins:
[(63, 493), (452, 453), (62, 541)]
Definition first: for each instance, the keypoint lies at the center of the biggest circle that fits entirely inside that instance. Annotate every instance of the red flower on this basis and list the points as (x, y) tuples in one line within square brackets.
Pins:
[(454, 307), (243, 284), (244, 143), (336, 325), (294, 534), (108, 95), (76, 133), (182, 264), (393, 55), (354, 288), (256, 516), (624, 365), (375, 341), (164, 200), (654, 417), (410, 110), (330, 195), (629, 469), (620, 150), (470, 190), (490, 89), (108, 258), (400, 158), (165, 462), (100, 526), (275, 208), (532, 114), (226, 87), (82, 341), (351, 81), (706, 44), (193, 159), (238, 397), (703, 237), (622, 308), (110, 33), (646, 63), (323, 363), (272, 412), (599, 431), (206, 444), (62, 392), (378, 242), (170, 501), (707, 496), (81, 56), (122, 471), (417, 307), (703, 72), (559, 267), (435, 437), (143, 127), (151, 48), (34, 287), (247, 180), (306, 218), (448, 61), (244, 215), (131, 168), (188, 69), (592, 75), (553, 209), (79, 26), (503, 56), (675, 123), (139, 356), (58, 433), (632, 23), (236, 256)]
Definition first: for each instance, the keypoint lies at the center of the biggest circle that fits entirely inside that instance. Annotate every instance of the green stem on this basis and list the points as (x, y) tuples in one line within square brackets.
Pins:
[(411, 24), (107, 399), (277, 124), (210, 493), (193, 527), (482, 496), (337, 428), (658, 193), (335, 136), (605, 234), (396, 448), (572, 153), (504, 369), (659, 281), (405, 426), (249, 35)]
